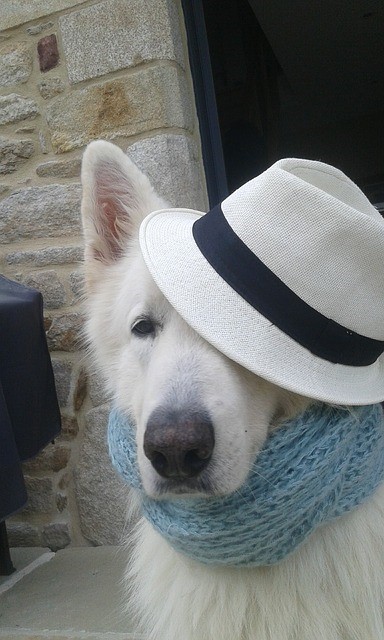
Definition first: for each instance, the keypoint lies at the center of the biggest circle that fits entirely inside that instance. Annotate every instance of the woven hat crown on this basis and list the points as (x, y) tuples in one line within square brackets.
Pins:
[(316, 230)]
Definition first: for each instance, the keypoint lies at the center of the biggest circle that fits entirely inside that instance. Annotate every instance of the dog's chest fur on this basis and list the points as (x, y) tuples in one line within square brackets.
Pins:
[(332, 588)]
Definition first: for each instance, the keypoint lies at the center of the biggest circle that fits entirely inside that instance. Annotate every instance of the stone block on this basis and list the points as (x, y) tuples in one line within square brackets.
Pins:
[(13, 153), (48, 52), (40, 212), (14, 108), (145, 100), (62, 370), (65, 332), (40, 495), (15, 12), (76, 280), (181, 180), (50, 87), (22, 534), (102, 497), (57, 169), (49, 285), (56, 535), (46, 256), (116, 34), (15, 64), (54, 457), (97, 389)]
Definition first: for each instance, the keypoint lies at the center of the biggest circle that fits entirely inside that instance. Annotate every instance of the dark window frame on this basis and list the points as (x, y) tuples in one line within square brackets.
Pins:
[(200, 64)]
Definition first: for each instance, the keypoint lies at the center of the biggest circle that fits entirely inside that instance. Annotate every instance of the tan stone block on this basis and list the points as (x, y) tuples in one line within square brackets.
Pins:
[(145, 100)]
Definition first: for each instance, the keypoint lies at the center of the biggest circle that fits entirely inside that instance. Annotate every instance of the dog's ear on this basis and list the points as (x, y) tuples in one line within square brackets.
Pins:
[(116, 198)]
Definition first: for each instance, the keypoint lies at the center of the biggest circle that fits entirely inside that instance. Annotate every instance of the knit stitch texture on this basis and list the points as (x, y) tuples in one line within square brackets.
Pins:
[(311, 470)]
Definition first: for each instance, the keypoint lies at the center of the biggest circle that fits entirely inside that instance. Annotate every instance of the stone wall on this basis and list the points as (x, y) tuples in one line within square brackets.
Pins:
[(71, 72)]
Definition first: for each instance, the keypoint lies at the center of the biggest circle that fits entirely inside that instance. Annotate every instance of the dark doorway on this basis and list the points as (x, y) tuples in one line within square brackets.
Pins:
[(300, 79)]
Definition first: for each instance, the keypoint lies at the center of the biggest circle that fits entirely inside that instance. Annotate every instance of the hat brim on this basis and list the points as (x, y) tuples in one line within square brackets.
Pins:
[(223, 318)]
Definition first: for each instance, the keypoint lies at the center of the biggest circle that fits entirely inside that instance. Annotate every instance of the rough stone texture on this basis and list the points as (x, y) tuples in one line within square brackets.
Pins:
[(14, 108), (56, 536), (38, 212), (48, 52), (97, 389), (15, 12), (47, 256), (22, 534), (142, 31), (48, 283), (14, 152), (178, 181), (43, 142), (76, 280), (54, 457), (38, 28), (61, 502), (57, 169), (101, 495), (64, 334), (40, 495), (80, 389), (63, 373), (15, 64), (50, 87), (123, 106), (69, 427)]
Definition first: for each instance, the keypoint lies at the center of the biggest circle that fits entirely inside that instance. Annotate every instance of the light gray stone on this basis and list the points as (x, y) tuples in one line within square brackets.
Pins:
[(40, 495), (22, 534), (142, 101), (14, 108), (181, 179), (40, 212), (45, 257), (62, 371), (76, 280), (15, 12), (56, 535), (57, 169), (50, 87), (97, 389), (116, 34), (49, 285), (14, 152), (15, 64), (65, 332), (102, 497)]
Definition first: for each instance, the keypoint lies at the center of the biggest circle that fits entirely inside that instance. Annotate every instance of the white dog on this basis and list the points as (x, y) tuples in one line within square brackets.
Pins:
[(156, 365)]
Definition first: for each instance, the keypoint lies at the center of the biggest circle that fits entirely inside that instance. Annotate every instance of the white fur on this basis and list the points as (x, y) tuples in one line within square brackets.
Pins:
[(332, 588)]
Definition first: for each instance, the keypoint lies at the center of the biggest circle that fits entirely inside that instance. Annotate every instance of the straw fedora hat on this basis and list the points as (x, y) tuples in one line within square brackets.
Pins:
[(285, 277)]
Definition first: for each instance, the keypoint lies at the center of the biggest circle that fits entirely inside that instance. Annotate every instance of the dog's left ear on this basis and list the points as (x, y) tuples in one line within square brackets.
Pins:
[(116, 198)]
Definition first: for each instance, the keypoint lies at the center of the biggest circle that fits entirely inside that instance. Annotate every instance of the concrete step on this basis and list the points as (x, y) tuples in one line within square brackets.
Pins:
[(73, 594)]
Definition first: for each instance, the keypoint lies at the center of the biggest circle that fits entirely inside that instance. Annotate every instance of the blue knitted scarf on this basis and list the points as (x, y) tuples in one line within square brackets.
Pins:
[(311, 470)]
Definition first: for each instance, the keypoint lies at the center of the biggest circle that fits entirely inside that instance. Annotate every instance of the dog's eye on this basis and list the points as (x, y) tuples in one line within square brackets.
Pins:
[(143, 327)]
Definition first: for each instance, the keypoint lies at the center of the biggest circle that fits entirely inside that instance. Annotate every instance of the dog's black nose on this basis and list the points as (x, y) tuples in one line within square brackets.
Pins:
[(179, 444)]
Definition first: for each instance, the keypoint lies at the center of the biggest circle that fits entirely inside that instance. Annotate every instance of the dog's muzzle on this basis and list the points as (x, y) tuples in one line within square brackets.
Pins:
[(179, 443)]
